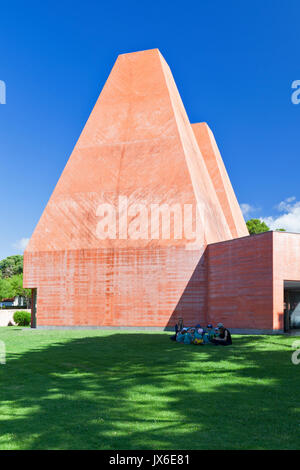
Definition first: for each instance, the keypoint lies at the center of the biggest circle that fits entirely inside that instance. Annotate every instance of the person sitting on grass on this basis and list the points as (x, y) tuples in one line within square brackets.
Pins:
[(189, 337), (181, 335), (178, 328), (179, 325), (216, 332), (224, 338), (208, 334), (198, 336)]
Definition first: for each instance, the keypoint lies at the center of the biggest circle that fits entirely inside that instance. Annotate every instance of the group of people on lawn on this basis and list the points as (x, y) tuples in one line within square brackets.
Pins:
[(201, 336)]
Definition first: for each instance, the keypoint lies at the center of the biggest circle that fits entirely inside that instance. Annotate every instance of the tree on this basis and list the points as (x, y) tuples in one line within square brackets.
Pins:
[(11, 279), (6, 290), (256, 226), (16, 285), (11, 265)]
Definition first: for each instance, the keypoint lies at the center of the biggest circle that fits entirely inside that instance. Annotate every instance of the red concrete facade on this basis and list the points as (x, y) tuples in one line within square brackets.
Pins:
[(139, 145), (240, 282), (246, 280)]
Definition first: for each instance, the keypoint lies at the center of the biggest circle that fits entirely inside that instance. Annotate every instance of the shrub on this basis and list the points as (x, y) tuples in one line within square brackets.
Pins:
[(22, 318)]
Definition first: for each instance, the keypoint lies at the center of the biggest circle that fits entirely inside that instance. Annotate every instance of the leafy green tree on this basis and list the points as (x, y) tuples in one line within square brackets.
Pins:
[(6, 290), (10, 287), (256, 226), (16, 283), (11, 278), (11, 265)]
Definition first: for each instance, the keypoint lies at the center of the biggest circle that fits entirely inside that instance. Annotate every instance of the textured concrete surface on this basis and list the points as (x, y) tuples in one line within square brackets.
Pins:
[(219, 177), (240, 281), (138, 143), (246, 279), (112, 328)]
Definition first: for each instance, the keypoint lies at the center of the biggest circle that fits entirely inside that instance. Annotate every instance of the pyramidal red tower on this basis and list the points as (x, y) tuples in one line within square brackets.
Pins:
[(102, 252)]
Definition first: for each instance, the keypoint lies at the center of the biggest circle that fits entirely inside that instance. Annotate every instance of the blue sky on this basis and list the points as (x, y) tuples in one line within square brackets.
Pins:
[(233, 61)]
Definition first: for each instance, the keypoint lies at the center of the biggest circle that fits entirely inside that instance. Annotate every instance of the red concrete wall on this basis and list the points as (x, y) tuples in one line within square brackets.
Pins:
[(246, 279), (240, 282), (135, 287)]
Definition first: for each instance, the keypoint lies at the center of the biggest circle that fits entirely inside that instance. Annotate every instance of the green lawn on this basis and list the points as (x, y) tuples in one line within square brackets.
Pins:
[(123, 390)]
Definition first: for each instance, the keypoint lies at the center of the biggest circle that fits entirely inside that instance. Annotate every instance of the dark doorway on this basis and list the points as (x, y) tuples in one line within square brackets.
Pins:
[(33, 307), (291, 305)]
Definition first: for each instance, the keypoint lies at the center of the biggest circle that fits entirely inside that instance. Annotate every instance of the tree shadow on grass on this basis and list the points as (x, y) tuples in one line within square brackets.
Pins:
[(142, 391)]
